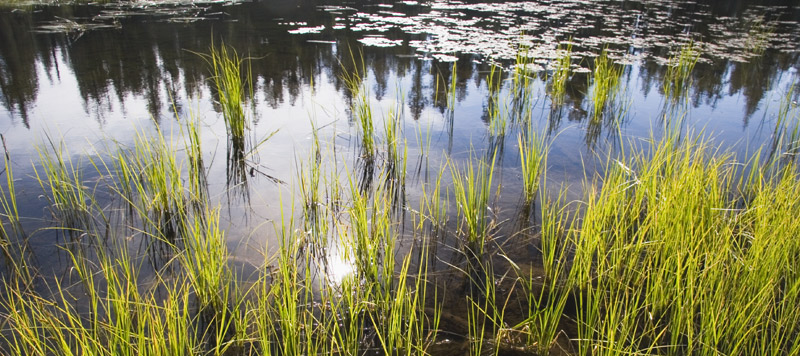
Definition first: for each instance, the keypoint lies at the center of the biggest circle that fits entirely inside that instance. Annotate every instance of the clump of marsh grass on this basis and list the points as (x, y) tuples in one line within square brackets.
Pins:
[(522, 80), (72, 202), (677, 79), (371, 243), (312, 188), (361, 109), (105, 312), (205, 261), (395, 165), (533, 159), (232, 88), (547, 293), (198, 180), (232, 78), (605, 79), (667, 257), (380, 305), (150, 179), (285, 320), (451, 90), (561, 73), (472, 190), (434, 205), (496, 115)]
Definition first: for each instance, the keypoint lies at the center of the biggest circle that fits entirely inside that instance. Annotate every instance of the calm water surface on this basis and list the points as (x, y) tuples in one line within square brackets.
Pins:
[(84, 75)]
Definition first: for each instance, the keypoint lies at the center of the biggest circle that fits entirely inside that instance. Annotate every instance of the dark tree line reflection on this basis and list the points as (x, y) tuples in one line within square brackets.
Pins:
[(152, 58)]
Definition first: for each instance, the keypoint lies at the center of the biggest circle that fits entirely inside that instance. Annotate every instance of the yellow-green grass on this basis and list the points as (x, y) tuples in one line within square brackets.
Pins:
[(605, 80), (675, 247)]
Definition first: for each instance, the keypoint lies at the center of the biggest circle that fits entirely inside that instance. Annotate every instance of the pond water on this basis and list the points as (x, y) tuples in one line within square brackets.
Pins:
[(82, 76)]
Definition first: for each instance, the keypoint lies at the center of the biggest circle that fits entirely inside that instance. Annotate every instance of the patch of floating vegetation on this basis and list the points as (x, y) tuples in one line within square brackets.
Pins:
[(307, 30), (62, 25), (112, 13), (444, 57), (380, 42), (634, 33), (332, 8)]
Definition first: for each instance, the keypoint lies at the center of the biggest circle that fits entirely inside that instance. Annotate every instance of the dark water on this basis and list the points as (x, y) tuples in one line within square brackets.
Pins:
[(87, 74)]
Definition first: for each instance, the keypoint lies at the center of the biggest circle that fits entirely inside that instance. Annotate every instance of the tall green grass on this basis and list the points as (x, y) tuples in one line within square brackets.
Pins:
[(496, 112), (434, 206), (151, 181), (361, 109), (472, 189), (561, 73), (451, 90), (232, 78), (396, 162), (605, 80), (678, 78), (70, 197), (106, 312), (664, 238), (549, 290), (674, 248), (533, 159), (522, 88), (232, 81)]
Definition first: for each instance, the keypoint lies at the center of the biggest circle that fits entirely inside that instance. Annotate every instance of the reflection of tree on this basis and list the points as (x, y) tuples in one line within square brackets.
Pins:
[(753, 79), (707, 83), (152, 60), (416, 97), (441, 77), (378, 61), (18, 80), (577, 87)]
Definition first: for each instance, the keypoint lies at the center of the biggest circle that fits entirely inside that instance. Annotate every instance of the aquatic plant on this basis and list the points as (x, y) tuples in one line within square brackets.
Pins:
[(281, 316), (472, 189), (522, 80), (547, 293), (497, 117), (311, 189), (105, 312), (561, 72), (361, 108), (72, 203), (395, 165), (227, 67), (677, 79), (434, 206), (533, 159), (205, 260), (198, 180), (151, 180), (605, 79), (371, 244), (451, 90), (670, 213)]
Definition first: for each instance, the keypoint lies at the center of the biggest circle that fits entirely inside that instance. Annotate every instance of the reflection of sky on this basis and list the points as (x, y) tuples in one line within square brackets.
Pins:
[(62, 111)]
